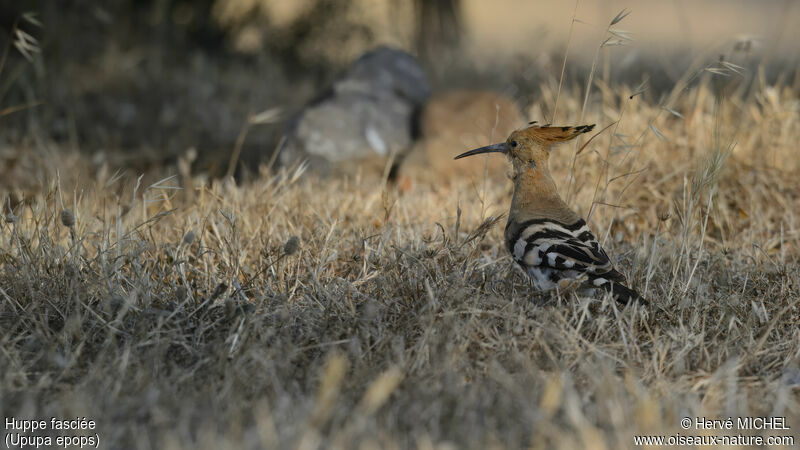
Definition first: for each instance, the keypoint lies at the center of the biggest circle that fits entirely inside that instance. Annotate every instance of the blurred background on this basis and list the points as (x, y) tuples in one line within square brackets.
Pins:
[(142, 82)]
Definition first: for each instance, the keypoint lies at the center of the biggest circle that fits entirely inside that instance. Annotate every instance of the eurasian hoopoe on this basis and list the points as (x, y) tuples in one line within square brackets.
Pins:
[(548, 240)]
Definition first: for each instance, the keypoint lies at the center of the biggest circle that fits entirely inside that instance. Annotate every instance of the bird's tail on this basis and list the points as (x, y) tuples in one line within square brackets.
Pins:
[(623, 294)]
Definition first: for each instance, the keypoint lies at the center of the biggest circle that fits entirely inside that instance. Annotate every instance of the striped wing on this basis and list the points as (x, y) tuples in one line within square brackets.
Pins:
[(551, 251)]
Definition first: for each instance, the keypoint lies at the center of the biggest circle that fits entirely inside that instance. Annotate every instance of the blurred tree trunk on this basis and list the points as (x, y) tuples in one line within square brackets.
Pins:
[(438, 28)]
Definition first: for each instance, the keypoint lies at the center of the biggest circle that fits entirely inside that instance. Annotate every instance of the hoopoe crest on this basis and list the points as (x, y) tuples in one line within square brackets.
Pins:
[(551, 243)]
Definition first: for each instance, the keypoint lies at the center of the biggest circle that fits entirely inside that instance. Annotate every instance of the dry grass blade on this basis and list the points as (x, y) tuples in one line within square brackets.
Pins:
[(483, 228), (641, 88), (717, 71), (622, 35), (16, 108), (329, 388), (26, 44), (379, 391), (733, 67), (618, 18), (31, 17), (658, 132), (611, 42), (674, 113), (268, 116), (564, 63), (594, 136)]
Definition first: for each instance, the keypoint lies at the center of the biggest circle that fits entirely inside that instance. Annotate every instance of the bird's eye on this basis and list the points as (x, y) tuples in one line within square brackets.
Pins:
[(513, 144)]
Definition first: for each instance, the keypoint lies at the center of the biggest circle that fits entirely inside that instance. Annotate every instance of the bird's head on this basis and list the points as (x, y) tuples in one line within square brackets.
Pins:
[(529, 148)]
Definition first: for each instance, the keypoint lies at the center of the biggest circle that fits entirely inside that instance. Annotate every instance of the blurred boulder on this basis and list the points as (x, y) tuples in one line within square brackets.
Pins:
[(456, 121), (369, 111)]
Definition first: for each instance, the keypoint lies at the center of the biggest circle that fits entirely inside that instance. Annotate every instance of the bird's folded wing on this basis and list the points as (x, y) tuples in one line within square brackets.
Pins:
[(550, 244)]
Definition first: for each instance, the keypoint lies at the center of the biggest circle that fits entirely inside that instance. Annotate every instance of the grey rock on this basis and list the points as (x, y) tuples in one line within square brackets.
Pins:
[(368, 111), (386, 70)]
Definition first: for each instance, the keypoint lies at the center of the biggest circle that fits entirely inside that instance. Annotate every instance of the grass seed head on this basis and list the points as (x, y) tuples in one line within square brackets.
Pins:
[(181, 293), (67, 218), (291, 246), (664, 213), (189, 237)]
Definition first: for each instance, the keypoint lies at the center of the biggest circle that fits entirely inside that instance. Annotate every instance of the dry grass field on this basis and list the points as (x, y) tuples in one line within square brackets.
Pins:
[(294, 311)]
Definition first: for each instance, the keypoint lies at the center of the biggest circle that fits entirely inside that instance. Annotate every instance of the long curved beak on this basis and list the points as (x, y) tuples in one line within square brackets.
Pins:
[(494, 148)]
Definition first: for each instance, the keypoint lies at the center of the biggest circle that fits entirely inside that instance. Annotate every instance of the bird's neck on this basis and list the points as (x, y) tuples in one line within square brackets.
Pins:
[(536, 197)]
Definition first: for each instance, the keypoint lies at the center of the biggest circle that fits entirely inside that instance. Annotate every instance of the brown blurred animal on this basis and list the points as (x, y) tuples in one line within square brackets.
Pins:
[(459, 120)]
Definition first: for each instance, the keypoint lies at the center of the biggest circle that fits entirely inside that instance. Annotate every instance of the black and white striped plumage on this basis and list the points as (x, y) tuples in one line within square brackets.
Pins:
[(552, 253)]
